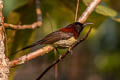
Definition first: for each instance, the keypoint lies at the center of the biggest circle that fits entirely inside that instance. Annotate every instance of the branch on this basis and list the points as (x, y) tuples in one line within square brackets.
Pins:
[(4, 68), (32, 26), (82, 19), (31, 56)]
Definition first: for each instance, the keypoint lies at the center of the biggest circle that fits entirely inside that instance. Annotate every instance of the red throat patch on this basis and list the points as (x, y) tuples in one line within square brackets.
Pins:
[(70, 30)]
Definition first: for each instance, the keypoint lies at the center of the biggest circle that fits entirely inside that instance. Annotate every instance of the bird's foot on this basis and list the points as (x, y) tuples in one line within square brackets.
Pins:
[(60, 58)]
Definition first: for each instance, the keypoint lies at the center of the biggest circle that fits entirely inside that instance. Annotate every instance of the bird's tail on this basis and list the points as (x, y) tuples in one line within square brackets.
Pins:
[(30, 46)]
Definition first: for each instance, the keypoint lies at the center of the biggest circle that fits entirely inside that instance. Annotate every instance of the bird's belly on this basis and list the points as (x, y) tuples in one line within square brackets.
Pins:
[(65, 43)]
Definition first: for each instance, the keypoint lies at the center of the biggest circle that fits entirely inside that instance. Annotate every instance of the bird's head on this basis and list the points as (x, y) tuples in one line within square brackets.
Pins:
[(79, 26)]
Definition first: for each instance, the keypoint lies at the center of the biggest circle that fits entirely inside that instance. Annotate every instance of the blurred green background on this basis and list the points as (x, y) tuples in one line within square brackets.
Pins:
[(97, 58)]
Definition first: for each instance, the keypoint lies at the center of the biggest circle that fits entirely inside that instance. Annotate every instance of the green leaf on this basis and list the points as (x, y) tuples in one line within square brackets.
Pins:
[(106, 11)]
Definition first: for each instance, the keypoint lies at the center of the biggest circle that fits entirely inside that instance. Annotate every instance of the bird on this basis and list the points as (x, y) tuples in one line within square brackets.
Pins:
[(62, 38)]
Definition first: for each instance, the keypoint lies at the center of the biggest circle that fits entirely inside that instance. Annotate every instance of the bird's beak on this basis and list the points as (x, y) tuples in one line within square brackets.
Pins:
[(86, 24)]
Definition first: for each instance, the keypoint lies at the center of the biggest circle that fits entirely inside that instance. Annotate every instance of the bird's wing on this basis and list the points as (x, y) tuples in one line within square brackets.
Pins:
[(56, 36)]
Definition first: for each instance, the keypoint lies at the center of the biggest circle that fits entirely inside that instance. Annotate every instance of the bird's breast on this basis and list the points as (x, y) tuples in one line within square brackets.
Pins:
[(65, 43)]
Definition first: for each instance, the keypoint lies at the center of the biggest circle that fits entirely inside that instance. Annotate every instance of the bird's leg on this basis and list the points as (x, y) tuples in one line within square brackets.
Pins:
[(58, 53), (57, 50)]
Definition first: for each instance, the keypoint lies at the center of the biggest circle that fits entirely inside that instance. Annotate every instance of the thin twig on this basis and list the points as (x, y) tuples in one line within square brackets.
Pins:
[(64, 55), (38, 11), (54, 63), (76, 13)]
